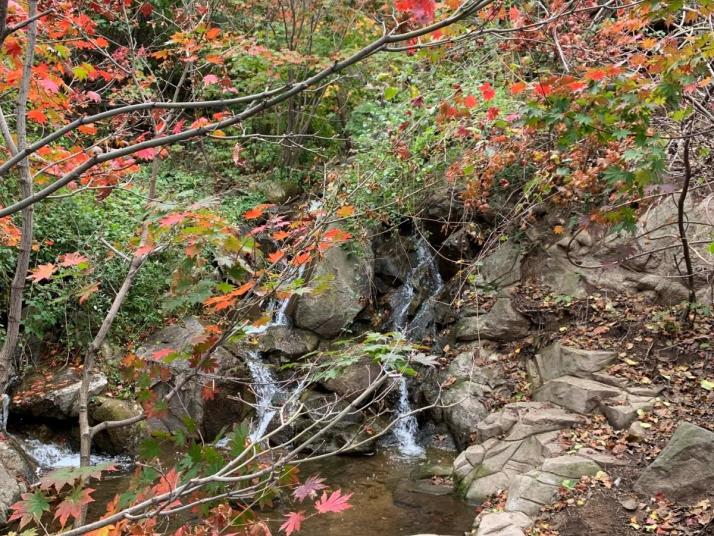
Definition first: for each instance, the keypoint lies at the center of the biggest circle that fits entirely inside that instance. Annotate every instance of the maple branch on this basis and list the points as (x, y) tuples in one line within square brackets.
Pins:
[(275, 97), (20, 25)]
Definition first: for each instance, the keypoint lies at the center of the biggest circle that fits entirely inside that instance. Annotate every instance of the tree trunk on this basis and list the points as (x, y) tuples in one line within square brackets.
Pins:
[(17, 288)]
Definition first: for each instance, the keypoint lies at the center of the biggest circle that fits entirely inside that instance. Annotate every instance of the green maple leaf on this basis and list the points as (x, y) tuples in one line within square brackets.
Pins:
[(63, 476), (32, 506)]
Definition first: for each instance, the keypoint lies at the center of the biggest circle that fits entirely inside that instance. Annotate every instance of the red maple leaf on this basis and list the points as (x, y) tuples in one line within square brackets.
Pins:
[(487, 91), (172, 219), (164, 352), (38, 116), (72, 259), (293, 523), (336, 502), (309, 488), (72, 505), (256, 212)]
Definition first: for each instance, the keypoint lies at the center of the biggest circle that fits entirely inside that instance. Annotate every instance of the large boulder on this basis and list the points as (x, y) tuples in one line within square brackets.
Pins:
[(501, 323), (354, 433), (54, 394), (339, 289), (351, 381), (17, 473), (121, 440), (502, 267), (647, 261), (576, 394), (189, 409), (684, 470)]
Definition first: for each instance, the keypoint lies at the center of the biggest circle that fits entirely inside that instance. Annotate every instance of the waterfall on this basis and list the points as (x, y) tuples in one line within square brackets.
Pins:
[(266, 388), (406, 427), (264, 384), (424, 276)]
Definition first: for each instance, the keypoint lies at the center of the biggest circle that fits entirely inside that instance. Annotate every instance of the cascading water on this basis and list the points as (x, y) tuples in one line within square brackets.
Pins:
[(266, 388), (406, 427), (423, 280)]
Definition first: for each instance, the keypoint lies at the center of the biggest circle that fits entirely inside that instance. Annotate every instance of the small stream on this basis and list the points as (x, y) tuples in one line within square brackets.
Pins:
[(387, 499)]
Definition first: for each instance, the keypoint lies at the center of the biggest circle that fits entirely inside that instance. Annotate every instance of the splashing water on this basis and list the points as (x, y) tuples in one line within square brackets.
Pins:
[(54, 455)]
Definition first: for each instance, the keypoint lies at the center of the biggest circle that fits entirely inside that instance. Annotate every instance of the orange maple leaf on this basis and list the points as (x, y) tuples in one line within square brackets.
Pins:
[(42, 272)]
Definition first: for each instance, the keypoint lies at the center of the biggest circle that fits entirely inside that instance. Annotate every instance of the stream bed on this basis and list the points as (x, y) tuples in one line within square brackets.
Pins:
[(386, 500)]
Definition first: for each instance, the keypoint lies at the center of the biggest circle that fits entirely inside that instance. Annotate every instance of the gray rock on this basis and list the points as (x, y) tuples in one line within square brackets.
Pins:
[(501, 323), (17, 473), (621, 416), (512, 441), (503, 524), (288, 341), (353, 380), (576, 394), (55, 395), (463, 403), (684, 470), (278, 192), (530, 492), (501, 268), (570, 466), (557, 360), (339, 290)]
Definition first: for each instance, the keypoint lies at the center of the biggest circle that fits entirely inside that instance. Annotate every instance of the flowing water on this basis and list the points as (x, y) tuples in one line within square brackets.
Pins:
[(51, 455), (266, 389)]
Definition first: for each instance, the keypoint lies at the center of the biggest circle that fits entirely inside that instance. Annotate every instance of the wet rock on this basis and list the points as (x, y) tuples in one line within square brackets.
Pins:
[(352, 434), (339, 290), (353, 380), (55, 394), (122, 440), (576, 394), (392, 256), (427, 471), (188, 409), (17, 473), (288, 341), (501, 323), (684, 470), (503, 524), (557, 360)]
